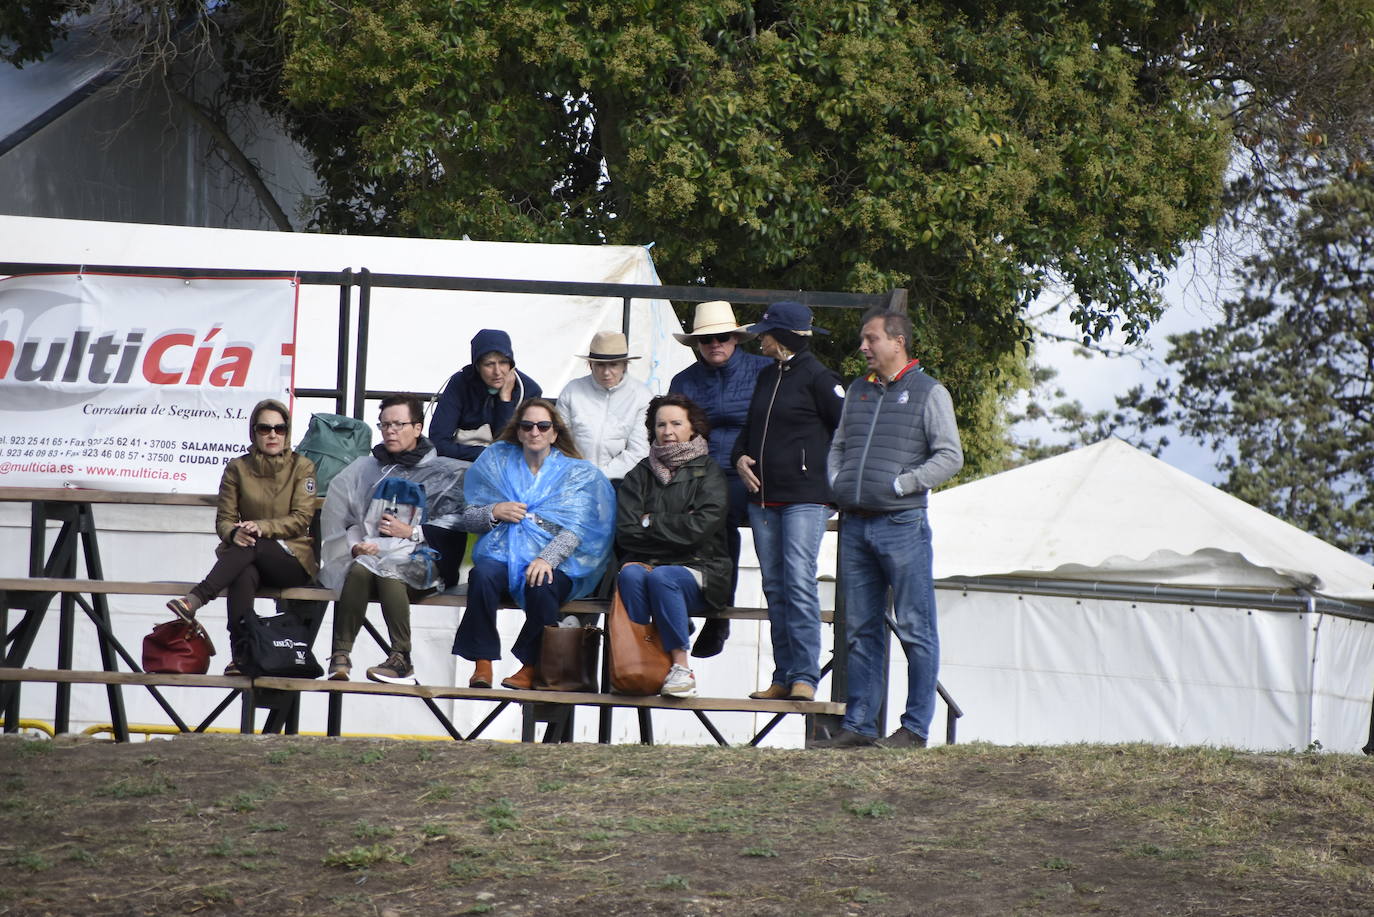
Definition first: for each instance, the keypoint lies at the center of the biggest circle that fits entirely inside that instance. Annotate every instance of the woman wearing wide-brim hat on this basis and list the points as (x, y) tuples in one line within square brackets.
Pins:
[(605, 408), (780, 456), (721, 382)]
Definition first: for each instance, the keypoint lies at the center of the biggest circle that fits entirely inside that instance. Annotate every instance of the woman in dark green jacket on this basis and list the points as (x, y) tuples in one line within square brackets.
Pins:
[(670, 531)]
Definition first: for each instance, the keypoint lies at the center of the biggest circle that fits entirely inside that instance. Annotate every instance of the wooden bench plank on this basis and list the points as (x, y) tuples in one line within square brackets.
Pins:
[(83, 495), (169, 588), (85, 677), (434, 692)]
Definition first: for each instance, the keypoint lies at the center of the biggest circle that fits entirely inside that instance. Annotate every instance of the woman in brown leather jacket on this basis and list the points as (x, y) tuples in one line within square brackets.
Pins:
[(266, 503)]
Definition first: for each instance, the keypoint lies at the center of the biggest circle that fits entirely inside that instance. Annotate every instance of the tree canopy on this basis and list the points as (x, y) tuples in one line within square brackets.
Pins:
[(969, 155), (976, 152)]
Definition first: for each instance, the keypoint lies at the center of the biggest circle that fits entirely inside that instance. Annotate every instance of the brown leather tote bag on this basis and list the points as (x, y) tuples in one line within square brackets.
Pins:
[(568, 659), (638, 661)]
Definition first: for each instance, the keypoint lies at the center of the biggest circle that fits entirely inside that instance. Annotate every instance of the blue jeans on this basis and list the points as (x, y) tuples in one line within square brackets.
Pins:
[(876, 552), (787, 540), (477, 637), (663, 595)]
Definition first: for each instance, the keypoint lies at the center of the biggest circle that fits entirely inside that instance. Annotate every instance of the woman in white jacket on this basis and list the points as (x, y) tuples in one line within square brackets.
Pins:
[(605, 409)]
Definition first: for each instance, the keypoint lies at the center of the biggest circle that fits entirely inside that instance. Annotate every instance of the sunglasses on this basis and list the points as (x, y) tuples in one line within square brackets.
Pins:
[(715, 338), (263, 429), (543, 425)]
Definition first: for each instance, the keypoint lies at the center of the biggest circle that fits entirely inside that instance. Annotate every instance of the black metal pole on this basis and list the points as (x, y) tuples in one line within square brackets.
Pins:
[(360, 362), (341, 373)]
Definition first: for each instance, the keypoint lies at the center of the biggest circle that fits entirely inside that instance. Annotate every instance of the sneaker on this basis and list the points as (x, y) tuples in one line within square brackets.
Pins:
[(903, 738), (339, 666), (396, 670), (681, 682)]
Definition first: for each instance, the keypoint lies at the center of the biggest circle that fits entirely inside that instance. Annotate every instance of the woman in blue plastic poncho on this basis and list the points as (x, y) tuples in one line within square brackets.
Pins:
[(553, 515)]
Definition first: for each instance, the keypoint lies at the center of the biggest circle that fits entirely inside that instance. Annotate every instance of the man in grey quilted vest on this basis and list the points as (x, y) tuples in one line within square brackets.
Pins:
[(897, 439)]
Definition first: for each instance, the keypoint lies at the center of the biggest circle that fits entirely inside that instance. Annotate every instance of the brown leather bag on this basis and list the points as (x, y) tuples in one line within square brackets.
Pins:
[(568, 659), (638, 661)]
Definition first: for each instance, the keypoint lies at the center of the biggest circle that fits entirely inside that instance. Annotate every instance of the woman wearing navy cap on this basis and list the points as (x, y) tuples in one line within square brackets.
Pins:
[(781, 458)]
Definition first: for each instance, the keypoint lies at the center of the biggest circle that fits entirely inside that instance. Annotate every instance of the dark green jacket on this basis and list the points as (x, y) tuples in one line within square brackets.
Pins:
[(686, 523)]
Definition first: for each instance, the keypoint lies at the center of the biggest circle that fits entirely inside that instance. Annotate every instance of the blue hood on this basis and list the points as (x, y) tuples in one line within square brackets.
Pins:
[(491, 340)]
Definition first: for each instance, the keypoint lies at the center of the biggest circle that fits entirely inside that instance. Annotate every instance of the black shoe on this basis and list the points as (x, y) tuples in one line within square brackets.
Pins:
[(903, 738), (712, 639), (846, 739)]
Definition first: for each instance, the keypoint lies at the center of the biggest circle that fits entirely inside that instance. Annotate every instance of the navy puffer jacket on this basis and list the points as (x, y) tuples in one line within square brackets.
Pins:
[(724, 394)]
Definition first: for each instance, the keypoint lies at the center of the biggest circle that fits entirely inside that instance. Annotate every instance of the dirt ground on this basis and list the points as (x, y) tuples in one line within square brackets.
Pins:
[(287, 825)]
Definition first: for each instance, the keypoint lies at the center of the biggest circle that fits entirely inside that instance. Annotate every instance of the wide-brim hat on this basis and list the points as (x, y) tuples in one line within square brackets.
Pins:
[(608, 347), (714, 317), (786, 316)]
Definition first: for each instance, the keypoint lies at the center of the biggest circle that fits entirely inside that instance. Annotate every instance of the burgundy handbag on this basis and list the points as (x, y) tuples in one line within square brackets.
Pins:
[(178, 648)]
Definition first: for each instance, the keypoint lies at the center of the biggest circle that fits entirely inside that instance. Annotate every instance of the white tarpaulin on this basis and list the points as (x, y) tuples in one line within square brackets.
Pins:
[(1033, 655), (1109, 512), (133, 383)]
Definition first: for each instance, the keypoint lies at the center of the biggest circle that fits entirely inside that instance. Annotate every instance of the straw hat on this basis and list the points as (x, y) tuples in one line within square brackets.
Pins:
[(608, 347), (714, 317)]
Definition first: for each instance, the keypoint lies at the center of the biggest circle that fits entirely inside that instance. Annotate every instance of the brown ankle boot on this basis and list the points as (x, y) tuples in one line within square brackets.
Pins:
[(522, 680), (481, 674)]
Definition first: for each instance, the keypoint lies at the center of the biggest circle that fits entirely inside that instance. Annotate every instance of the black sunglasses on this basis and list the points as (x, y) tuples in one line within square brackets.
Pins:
[(715, 338), (263, 429), (528, 425)]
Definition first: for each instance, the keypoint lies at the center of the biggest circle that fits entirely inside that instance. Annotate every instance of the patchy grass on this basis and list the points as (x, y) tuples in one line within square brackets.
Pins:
[(354, 827)]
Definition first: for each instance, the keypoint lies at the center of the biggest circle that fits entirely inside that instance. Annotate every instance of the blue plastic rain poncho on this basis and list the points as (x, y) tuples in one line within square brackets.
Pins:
[(567, 493)]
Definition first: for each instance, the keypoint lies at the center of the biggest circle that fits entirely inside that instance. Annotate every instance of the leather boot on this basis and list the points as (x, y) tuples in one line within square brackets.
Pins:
[(712, 638), (481, 674), (522, 680), (772, 692)]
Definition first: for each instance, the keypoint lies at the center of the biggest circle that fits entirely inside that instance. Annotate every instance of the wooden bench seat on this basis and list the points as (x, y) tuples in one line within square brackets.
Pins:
[(552, 707), (170, 588), (433, 692)]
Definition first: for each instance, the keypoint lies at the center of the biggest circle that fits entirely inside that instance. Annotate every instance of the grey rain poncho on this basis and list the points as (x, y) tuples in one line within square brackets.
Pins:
[(350, 516)]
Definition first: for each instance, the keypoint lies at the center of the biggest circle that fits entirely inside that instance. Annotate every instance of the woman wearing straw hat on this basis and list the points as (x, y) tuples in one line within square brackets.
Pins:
[(605, 408), (781, 458), (721, 382)]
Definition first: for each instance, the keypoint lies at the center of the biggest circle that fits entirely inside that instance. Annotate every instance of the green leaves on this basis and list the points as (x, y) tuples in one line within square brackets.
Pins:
[(823, 144)]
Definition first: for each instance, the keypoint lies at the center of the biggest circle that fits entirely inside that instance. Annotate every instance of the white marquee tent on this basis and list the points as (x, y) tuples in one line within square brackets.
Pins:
[(1105, 596)]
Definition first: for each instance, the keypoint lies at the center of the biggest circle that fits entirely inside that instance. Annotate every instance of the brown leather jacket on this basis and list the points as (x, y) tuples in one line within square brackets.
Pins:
[(278, 493)]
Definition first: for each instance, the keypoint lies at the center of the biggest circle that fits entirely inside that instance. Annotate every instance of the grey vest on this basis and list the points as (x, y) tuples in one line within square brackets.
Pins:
[(884, 435)]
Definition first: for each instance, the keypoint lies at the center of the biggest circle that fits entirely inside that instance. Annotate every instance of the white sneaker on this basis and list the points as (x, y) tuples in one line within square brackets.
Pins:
[(681, 682)]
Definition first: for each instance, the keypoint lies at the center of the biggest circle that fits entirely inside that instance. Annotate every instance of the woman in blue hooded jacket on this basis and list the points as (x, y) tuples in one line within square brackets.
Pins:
[(478, 400)]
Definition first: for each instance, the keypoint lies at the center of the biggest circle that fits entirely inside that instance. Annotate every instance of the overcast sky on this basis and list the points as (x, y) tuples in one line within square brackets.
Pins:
[(1194, 295)]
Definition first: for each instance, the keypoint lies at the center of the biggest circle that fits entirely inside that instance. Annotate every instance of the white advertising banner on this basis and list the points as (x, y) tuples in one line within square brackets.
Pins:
[(120, 382)]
